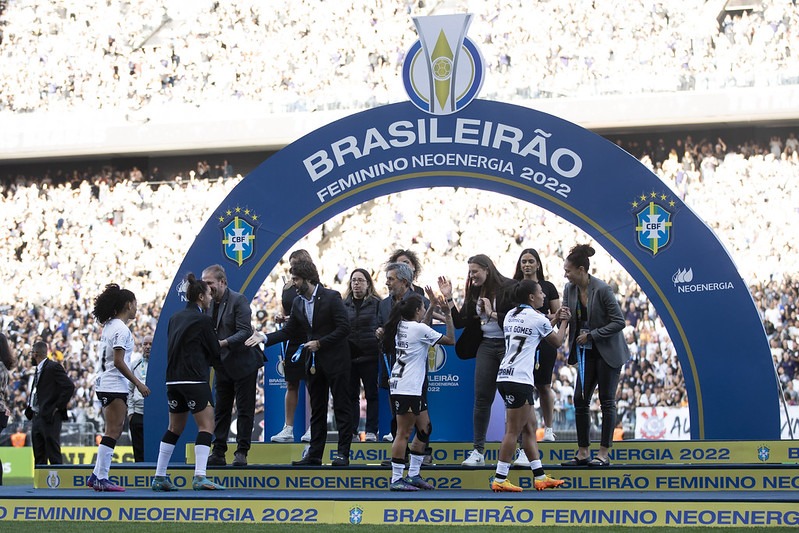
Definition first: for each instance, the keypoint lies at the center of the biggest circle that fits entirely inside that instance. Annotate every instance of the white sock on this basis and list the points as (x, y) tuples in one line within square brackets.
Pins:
[(201, 453), (416, 464), (502, 469), (103, 465), (397, 470), (164, 455), (536, 464)]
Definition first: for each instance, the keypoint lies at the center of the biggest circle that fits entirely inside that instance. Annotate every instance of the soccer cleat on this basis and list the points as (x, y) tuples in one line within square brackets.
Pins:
[(475, 459), (549, 435), (162, 484), (306, 437), (91, 481), (286, 435), (388, 437), (104, 485), (547, 483), (418, 482), (370, 437), (203, 483), (521, 459), (504, 486), (401, 485)]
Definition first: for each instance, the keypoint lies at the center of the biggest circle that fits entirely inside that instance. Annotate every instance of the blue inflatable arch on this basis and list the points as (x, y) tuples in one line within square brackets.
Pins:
[(538, 158)]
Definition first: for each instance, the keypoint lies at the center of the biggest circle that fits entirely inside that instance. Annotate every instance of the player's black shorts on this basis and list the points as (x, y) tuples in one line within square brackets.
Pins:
[(107, 397), (402, 404), (515, 395), (192, 397), (547, 354)]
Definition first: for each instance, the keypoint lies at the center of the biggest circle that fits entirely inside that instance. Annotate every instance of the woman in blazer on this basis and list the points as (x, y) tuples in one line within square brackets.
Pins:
[(596, 346)]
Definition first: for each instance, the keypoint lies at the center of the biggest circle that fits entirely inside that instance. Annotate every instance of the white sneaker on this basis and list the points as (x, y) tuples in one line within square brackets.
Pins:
[(475, 459), (521, 459), (370, 437), (549, 435), (307, 436), (285, 435), (388, 437)]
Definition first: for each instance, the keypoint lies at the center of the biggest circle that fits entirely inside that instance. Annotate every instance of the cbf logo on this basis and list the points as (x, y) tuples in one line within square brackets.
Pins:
[(763, 453), (653, 216), (238, 227), (356, 515), (443, 71)]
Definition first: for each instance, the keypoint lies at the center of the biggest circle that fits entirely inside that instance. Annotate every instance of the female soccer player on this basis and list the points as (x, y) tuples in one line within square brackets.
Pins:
[(408, 339), (524, 328)]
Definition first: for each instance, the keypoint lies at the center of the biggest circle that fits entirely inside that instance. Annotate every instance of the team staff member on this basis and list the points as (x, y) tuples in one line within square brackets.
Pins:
[(319, 314), (52, 390), (361, 303), (597, 347), (294, 371), (113, 308), (192, 348), (136, 401), (481, 319), (7, 362), (524, 329), (237, 374), (407, 340), (529, 266)]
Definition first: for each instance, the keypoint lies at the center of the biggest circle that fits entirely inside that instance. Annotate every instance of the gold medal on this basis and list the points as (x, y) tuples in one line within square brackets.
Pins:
[(313, 370), (537, 366)]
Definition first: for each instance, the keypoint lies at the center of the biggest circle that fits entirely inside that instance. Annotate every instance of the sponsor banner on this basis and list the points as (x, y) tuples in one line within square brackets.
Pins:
[(412, 512), (674, 423), (17, 464), (553, 453), (624, 479)]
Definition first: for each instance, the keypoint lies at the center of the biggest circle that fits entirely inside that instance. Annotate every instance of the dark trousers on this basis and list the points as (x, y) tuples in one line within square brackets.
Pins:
[(365, 372), (320, 386), (46, 439), (227, 390), (597, 374), (136, 427)]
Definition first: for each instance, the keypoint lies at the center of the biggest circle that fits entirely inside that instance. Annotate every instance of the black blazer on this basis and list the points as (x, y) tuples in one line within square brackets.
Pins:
[(234, 324), (53, 390), (331, 327)]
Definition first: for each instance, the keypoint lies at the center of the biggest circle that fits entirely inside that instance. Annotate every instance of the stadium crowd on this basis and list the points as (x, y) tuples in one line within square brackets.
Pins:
[(130, 56), (65, 237)]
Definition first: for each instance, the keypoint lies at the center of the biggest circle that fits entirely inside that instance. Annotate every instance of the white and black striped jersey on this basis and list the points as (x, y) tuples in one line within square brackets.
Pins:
[(523, 333), (413, 340), (115, 335)]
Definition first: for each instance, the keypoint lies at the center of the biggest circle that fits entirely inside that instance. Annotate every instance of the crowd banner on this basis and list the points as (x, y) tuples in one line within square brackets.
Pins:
[(430, 141)]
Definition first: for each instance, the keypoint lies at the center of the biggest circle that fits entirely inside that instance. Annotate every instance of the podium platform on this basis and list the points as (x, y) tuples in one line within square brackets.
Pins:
[(651, 490)]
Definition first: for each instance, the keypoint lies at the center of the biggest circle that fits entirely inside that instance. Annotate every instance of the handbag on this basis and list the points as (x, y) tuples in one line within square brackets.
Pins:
[(469, 340)]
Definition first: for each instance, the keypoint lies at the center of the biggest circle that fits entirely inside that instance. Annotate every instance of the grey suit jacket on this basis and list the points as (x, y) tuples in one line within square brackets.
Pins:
[(233, 322), (605, 321)]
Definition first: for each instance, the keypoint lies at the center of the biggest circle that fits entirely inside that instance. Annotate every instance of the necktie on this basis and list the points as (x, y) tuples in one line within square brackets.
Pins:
[(34, 403)]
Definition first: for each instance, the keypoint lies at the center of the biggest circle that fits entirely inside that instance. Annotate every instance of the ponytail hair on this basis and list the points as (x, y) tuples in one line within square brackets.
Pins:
[(111, 302), (194, 288), (579, 254), (522, 292), (402, 310)]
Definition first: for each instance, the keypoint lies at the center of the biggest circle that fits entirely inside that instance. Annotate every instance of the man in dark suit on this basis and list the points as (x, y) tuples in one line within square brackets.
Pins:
[(237, 374), (50, 394), (319, 316)]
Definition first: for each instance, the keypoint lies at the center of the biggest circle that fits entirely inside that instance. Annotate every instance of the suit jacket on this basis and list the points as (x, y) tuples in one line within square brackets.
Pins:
[(605, 321), (54, 389), (331, 327), (234, 324)]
